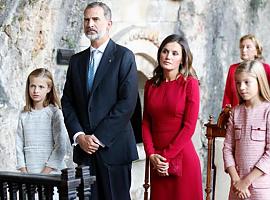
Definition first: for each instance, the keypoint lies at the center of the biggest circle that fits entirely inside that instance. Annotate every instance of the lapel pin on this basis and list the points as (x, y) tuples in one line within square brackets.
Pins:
[(110, 60)]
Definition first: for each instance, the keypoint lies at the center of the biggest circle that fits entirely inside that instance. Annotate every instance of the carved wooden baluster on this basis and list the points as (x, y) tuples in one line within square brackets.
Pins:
[(208, 188), (22, 192), (68, 185), (146, 184), (92, 181), (41, 192), (84, 190), (13, 188), (48, 190), (31, 191), (3, 190)]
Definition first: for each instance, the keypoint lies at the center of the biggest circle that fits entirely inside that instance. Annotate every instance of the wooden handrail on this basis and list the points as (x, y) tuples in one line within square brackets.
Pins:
[(13, 184)]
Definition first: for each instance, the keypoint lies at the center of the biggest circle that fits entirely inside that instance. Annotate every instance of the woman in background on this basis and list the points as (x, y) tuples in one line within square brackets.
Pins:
[(250, 49)]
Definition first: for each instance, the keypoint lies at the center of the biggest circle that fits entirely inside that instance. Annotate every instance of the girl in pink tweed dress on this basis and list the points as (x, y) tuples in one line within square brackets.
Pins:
[(246, 150)]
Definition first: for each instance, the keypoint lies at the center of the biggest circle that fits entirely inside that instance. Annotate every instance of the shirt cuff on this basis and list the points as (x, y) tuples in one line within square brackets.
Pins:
[(75, 137)]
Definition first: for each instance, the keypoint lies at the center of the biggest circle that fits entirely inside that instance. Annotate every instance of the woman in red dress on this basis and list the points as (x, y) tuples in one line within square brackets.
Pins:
[(250, 49), (171, 106)]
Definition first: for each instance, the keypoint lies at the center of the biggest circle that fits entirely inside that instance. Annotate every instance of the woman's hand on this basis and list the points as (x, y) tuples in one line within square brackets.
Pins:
[(160, 164)]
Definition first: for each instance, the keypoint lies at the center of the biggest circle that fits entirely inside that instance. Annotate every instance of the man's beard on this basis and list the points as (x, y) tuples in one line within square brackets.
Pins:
[(96, 36)]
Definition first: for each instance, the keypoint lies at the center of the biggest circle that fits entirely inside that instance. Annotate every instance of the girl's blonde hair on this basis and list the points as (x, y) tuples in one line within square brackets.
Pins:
[(257, 45), (256, 68), (51, 98)]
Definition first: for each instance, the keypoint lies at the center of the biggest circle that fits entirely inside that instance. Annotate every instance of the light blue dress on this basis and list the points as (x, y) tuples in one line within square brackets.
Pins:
[(41, 140)]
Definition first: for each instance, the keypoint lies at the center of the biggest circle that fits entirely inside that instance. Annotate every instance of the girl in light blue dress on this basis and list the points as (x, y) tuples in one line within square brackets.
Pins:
[(41, 140)]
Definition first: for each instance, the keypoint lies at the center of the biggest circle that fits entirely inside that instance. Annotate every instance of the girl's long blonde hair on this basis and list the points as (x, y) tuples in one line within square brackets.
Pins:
[(256, 68), (51, 98)]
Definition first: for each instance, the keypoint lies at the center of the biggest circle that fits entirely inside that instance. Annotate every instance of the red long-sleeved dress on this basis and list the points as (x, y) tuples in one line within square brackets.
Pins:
[(230, 92), (169, 120)]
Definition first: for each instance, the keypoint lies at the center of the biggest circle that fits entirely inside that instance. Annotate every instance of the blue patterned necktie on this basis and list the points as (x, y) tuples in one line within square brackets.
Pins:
[(91, 70)]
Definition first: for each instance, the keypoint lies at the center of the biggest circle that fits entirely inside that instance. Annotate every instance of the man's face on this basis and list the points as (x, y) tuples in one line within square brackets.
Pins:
[(96, 26)]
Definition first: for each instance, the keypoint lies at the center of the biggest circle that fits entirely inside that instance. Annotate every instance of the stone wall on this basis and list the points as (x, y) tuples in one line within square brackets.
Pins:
[(31, 31)]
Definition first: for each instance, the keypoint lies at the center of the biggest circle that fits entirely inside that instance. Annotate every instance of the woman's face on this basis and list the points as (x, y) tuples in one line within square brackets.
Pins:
[(171, 57), (248, 50)]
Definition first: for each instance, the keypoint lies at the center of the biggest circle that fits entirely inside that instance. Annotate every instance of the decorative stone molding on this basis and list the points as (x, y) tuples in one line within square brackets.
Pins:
[(144, 42), (145, 34)]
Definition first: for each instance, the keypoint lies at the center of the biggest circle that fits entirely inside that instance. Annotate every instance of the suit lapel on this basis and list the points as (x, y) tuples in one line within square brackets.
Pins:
[(105, 64)]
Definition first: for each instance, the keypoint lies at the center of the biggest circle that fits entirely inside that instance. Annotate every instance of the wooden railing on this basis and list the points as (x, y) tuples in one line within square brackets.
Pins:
[(70, 185), (146, 184), (212, 131)]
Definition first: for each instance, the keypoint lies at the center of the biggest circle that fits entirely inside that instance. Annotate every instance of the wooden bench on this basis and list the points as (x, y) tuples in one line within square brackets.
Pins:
[(70, 184), (212, 131)]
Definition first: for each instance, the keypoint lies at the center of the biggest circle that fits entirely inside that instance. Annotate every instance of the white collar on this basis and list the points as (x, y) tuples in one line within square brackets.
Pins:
[(102, 47)]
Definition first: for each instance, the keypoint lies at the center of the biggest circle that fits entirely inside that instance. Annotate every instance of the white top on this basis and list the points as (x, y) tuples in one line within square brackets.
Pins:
[(98, 54), (41, 140)]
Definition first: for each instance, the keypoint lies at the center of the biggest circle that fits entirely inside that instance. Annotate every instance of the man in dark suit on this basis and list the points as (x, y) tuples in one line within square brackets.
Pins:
[(97, 112)]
